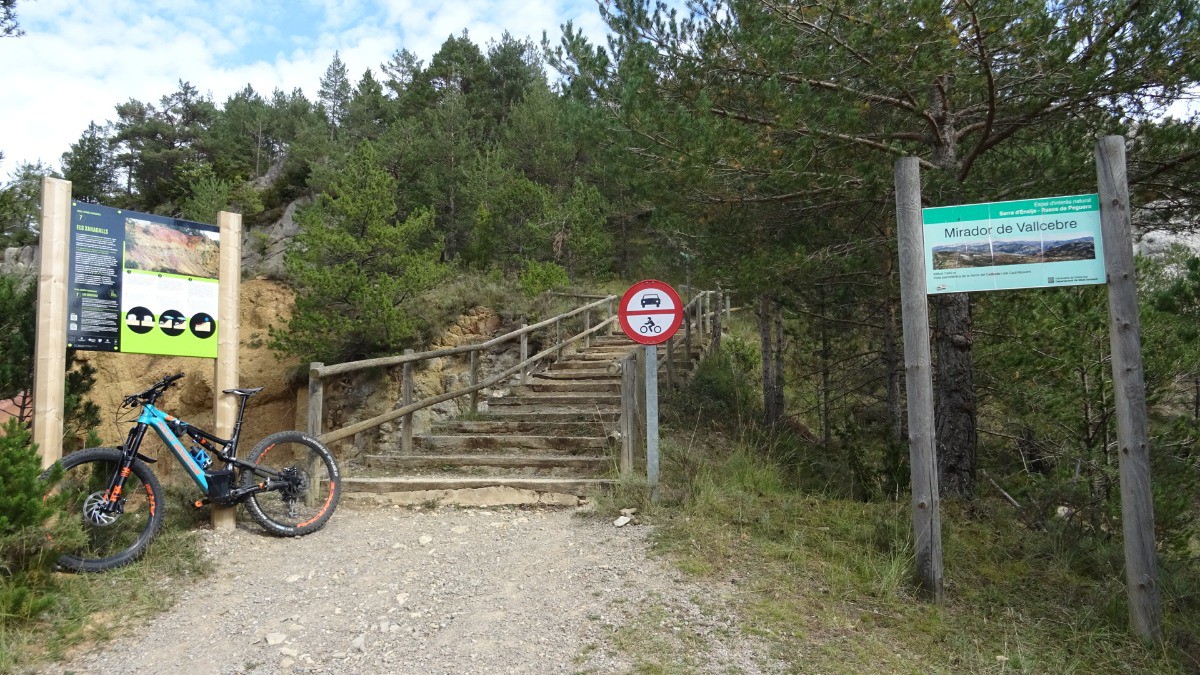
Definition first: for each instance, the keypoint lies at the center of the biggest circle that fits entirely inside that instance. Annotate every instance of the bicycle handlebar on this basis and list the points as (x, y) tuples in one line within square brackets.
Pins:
[(151, 395)]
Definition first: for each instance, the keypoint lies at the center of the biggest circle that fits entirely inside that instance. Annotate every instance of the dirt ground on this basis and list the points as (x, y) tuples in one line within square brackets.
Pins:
[(438, 590)]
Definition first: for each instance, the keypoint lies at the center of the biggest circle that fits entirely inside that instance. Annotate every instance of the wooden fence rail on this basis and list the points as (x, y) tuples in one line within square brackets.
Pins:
[(698, 316), (319, 372)]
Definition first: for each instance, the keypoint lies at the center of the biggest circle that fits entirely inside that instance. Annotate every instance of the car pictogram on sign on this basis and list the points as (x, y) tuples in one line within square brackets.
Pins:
[(651, 299)]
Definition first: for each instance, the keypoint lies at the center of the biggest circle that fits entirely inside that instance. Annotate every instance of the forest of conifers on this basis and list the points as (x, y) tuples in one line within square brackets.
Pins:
[(748, 145)]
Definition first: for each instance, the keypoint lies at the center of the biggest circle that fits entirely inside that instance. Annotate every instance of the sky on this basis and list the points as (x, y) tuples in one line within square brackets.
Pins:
[(79, 60)]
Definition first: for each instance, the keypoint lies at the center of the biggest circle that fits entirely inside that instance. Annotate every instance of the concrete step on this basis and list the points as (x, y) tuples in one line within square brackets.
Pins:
[(511, 444), (574, 486), (590, 464)]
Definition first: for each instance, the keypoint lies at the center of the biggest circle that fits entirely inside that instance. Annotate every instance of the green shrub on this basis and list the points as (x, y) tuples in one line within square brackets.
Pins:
[(539, 277), (28, 528), (724, 388), (23, 512)]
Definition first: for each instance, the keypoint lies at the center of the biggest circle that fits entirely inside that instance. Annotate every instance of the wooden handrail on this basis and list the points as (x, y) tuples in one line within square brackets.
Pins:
[(352, 366), (317, 371)]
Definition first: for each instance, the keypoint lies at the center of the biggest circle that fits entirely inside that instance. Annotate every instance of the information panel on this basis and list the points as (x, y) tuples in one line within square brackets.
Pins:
[(1032, 243), (141, 283)]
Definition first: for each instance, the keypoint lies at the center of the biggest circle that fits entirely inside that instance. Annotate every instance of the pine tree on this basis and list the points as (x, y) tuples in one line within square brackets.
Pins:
[(358, 268)]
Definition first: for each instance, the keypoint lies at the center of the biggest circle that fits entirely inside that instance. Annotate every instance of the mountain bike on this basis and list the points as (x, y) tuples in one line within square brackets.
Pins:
[(289, 483)]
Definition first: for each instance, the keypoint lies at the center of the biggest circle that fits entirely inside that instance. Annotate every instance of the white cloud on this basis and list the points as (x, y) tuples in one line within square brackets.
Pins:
[(79, 60)]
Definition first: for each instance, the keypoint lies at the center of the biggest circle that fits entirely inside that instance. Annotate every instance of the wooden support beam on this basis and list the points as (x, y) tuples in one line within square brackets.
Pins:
[(228, 334), (50, 343)]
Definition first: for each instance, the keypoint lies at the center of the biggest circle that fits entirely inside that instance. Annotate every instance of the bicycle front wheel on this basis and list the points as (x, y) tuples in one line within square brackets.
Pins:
[(110, 539), (308, 480)]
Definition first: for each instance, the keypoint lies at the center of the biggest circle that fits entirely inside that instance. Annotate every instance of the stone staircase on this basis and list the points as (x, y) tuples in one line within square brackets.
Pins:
[(551, 440)]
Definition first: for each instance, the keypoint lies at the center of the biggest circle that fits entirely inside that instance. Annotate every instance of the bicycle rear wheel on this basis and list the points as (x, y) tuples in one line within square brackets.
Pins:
[(110, 539), (313, 487)]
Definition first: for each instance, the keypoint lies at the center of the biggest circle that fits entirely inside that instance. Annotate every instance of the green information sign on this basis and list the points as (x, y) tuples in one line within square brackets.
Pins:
[(1031, 243), (141, 283)]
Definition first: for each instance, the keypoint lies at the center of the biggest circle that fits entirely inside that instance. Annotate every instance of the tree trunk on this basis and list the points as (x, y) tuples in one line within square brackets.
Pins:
[(770, 416), (891, 365), (780, 350), (1196, 397), (825, 354), (955, 401)]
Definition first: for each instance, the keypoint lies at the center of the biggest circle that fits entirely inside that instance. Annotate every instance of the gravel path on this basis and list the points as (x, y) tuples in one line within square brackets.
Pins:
[(447, 590)]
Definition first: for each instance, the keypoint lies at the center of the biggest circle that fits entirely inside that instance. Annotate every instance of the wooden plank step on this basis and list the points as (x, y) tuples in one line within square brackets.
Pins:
[(538, 427), (580, 365), (571, 444), (601, 356), (574, 386), (576, 400), (575, 486), (584, 462), (621, 340), (594, 374), (616, 350), (606, 415)]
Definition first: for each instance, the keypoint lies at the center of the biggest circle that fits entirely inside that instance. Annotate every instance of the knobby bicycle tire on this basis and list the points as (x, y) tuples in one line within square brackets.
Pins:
[(305, 508), (113, 540)]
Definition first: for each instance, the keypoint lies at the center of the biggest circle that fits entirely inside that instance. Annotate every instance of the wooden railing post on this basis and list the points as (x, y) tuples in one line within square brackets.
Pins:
[(628, 421), (639, 390), (587, 326), (671, 363), (474, 381), (687, 331), (718, 322), (524, 355), (558, 339), (611, 324), (316, 399), (406, 392), (705, 308)]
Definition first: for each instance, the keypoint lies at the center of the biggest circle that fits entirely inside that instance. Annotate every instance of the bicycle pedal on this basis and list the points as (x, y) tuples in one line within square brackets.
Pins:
[(200, 503)]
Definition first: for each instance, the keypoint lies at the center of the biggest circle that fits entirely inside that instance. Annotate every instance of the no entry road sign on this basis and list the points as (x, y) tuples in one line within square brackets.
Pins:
[(650, 312)]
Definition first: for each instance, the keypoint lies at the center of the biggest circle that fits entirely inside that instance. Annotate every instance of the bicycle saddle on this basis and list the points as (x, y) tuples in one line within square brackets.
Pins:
[(244, 392)]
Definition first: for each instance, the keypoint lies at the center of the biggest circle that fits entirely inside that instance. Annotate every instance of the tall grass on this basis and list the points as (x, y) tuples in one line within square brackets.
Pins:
[(77, 610), (827, 578)]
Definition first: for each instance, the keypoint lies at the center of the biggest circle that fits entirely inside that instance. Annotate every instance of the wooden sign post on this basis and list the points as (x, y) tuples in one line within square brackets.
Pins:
[(50, 350), (918, 381), (226, 367), (1137, 504), (1124, 332)]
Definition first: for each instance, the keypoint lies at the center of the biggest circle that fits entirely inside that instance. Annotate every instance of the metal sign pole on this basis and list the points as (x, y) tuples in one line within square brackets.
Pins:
[(652, 420)]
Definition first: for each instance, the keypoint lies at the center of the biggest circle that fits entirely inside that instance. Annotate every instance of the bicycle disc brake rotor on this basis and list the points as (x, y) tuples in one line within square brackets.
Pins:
[(94, 513)]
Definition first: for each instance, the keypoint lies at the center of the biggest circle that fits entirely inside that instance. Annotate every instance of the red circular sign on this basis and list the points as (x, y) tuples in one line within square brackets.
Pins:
[(650, 312)]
